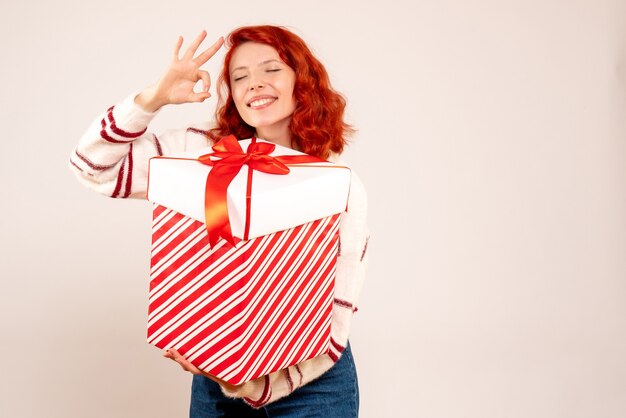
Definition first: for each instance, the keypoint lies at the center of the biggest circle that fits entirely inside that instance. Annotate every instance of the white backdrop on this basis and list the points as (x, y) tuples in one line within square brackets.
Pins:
[(492, 142)]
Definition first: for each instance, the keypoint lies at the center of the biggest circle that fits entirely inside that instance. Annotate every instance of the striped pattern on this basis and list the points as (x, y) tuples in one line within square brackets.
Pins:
[(157, 145), (91, 164), (265, 396), (335, 350), (245, 311), (111, 133), (124, 176), (345, 304), (199, 132)]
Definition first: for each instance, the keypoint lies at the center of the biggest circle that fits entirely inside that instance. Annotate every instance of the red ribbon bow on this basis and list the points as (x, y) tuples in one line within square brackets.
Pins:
[(231, 159)]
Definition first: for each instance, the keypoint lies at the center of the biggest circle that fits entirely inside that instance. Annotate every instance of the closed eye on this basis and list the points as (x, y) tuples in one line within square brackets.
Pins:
[(239, 78)]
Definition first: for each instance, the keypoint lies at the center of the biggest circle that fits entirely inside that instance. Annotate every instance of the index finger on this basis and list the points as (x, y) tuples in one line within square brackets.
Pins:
[(194, 46), (206, 55)]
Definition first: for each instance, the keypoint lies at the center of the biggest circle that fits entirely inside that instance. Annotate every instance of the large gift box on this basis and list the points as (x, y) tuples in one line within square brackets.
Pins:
[(244, 246)]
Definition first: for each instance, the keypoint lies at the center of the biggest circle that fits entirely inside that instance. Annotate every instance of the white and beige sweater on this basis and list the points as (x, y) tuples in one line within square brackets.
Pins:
[(112, 159)]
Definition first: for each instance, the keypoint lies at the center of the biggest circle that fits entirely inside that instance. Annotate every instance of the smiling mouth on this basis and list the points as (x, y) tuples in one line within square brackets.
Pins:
[(261, 103)]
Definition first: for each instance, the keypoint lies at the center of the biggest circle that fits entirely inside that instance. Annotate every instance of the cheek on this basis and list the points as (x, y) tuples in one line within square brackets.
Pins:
[(238, 98), (236, 93), (293, 98), (290, 85)]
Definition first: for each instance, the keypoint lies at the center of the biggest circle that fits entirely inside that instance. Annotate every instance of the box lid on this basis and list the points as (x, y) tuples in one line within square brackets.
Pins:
[(278, 202)]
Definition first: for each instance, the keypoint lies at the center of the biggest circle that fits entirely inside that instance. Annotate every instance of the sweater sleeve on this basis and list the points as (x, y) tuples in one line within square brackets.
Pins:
[(112, 155), (350, 274)]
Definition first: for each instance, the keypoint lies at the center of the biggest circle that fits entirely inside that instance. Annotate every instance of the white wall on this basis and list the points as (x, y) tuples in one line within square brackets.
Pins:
[(492, 143)]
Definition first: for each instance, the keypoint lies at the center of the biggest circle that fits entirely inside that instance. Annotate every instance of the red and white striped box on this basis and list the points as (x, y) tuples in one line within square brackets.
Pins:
[(241, 312)]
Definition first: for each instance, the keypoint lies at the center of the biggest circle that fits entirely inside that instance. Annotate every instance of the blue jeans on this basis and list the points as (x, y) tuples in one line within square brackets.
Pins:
[(333, 394)]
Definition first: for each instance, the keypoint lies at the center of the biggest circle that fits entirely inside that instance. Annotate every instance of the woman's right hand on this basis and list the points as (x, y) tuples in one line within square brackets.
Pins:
[(173, 354), (176, 85)]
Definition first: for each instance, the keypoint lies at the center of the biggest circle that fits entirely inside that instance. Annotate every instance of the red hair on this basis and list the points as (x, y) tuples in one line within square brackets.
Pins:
[(317, 126)]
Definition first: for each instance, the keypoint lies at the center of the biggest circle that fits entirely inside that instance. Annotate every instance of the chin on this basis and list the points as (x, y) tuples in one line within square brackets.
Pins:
[(265, 123)]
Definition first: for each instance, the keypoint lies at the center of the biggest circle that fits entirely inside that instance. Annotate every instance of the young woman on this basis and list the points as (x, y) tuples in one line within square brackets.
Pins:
[(271, 87)]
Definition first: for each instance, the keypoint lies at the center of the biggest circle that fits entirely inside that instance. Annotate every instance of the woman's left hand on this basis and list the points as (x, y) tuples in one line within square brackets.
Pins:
[(173, 354)]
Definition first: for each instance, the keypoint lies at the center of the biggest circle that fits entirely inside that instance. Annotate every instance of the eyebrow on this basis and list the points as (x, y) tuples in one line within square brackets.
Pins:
[(258, 65)]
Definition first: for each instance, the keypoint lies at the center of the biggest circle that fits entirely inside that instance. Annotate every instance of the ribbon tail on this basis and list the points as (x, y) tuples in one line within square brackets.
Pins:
[(215, 204), (223, 232), (227, 234)]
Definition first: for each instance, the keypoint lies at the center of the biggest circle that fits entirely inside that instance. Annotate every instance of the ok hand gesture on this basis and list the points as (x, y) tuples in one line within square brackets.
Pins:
[(176, 85)]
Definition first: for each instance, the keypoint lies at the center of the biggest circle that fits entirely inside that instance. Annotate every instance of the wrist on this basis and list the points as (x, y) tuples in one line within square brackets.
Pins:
[(149, 100)]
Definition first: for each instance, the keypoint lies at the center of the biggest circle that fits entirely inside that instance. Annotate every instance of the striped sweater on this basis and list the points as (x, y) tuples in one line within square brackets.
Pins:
[(112, 159)]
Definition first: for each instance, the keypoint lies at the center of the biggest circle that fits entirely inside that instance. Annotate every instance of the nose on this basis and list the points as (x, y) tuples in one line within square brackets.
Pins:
[(256, 81), (256, 85)]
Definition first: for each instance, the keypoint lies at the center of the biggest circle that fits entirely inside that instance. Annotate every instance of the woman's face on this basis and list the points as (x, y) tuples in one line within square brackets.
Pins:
[(262, 87)]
